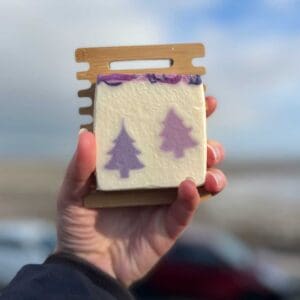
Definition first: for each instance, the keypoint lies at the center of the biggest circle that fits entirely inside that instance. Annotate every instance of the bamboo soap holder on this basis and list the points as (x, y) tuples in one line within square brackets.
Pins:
[(129, 119)]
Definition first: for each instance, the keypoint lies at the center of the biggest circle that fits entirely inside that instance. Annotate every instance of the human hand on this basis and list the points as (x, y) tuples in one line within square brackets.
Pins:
[(125, 242)]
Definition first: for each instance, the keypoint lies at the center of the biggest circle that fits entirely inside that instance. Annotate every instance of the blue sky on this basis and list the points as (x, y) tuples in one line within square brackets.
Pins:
[(253, 67)]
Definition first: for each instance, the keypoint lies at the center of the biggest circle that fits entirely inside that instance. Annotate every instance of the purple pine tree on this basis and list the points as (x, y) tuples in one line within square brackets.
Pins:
[(124, 155), (176, 135)]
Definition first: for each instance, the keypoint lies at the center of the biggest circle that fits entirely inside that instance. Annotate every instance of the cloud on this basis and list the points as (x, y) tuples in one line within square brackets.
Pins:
[(253, 70), (256, 79), (263, 64), (38, 88), (186, 5)]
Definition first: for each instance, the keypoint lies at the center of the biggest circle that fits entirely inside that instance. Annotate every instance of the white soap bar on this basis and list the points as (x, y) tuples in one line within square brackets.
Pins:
[(150, 131)]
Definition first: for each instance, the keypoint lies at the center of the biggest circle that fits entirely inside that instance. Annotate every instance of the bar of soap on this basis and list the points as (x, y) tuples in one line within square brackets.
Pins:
[(150, 131)]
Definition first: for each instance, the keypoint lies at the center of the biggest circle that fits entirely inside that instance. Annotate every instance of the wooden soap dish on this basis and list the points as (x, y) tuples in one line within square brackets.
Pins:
[(99, 60)]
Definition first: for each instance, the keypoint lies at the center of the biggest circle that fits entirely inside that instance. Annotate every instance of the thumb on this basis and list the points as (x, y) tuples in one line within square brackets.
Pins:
[(81, 167)]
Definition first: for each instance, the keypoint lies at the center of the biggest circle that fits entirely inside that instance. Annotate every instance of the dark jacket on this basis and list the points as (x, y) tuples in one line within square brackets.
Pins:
[(64, 276)]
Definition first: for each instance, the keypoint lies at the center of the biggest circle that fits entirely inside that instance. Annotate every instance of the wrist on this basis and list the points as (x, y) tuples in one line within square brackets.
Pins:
[(99, 262)]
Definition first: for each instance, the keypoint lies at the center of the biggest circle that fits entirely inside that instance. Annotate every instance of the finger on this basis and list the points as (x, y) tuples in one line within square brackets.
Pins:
[(82, 164), (181, 211), (215, 153), (211, 104), (215, 181)]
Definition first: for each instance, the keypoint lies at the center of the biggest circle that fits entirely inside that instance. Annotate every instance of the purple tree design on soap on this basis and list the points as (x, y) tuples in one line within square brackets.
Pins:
[(124, 155), (176, 136)]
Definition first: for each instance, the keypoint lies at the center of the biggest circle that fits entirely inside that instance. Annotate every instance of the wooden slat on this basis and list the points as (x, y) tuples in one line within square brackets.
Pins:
[(87, 93), (89, 127), (136, 197), (99, 60), (88, 110)]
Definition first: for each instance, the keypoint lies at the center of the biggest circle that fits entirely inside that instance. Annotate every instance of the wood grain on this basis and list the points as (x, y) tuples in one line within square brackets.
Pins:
[(136, 197), (99, 60)]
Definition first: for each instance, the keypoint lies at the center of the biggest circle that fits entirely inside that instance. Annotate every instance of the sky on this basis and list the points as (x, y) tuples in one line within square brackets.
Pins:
[(252, 61)]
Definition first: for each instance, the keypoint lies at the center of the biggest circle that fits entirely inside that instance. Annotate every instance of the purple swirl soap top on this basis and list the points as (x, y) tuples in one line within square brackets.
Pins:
[(117, 79)]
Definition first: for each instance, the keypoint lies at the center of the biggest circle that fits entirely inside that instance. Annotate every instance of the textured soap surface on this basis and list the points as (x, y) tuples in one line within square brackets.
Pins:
[(150, 131)]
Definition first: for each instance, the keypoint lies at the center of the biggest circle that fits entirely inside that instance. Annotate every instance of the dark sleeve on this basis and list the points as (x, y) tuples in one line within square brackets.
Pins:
[(64, 276)]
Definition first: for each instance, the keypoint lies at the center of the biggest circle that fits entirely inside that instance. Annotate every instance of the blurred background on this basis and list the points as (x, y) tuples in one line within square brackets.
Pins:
[(253, 68)]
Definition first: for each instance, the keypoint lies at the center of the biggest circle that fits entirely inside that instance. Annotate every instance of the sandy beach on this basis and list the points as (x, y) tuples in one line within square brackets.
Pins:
[(261, 204)]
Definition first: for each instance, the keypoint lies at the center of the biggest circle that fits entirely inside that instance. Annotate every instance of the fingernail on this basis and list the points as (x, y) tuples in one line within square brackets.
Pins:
[(190, 179), (82, 130), (215, 153), (218, 179)]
